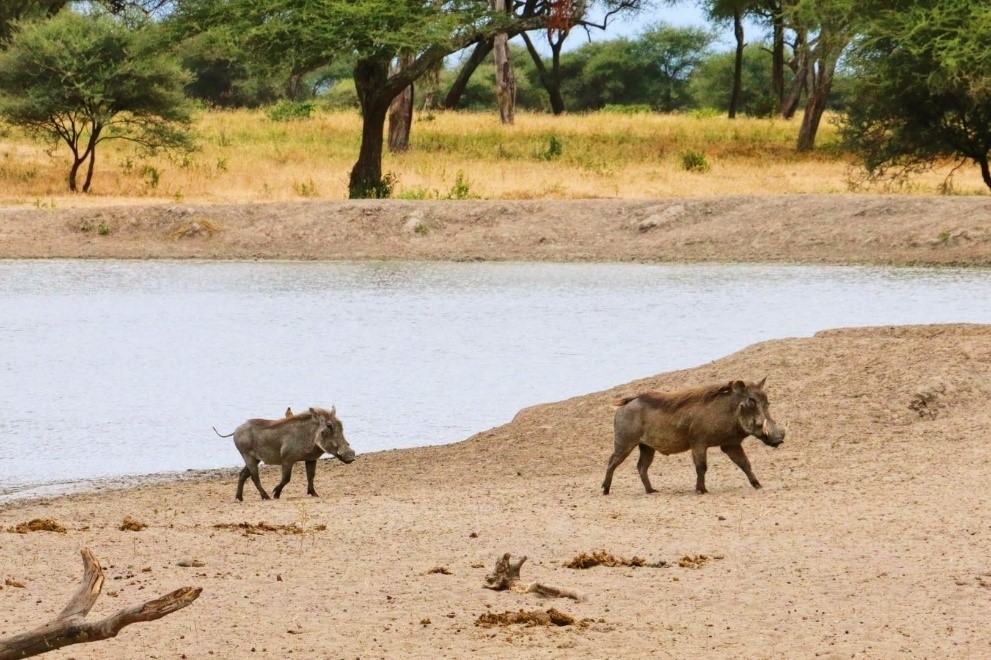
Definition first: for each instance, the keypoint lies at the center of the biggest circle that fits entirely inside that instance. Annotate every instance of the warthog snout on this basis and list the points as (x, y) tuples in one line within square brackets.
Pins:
[(771, 434), (346, 456)]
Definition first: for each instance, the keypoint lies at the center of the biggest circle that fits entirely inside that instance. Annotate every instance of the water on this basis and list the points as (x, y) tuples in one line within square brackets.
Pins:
[(113, 368)]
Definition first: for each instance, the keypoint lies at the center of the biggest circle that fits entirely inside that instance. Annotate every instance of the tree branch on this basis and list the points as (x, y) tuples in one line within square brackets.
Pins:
[(69, 627)]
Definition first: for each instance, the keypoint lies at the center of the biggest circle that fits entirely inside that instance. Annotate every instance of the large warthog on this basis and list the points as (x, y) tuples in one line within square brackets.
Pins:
[(693, 419), (286, 441)]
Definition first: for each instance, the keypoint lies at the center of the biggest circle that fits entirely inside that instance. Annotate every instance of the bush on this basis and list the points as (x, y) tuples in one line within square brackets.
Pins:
[(694, 161), (290, 111)]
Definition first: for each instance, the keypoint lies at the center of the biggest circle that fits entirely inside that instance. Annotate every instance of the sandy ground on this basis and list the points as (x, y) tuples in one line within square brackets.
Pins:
[(792, 228), (870, 538)]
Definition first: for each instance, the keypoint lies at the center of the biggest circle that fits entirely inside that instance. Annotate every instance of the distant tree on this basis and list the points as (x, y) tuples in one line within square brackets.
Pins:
[(653, 69), (224, 75), (921, 89), (712, 82), (733, 11), (86, 79)]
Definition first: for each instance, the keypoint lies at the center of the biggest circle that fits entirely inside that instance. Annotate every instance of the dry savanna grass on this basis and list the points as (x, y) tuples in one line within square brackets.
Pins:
[(245, 156)]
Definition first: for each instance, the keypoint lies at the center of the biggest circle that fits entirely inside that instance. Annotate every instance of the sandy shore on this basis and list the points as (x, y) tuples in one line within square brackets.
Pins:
[(870, 538), (867, 229)]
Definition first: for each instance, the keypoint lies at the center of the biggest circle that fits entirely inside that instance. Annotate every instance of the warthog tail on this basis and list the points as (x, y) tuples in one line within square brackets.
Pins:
[(619, 403), (218, 432)]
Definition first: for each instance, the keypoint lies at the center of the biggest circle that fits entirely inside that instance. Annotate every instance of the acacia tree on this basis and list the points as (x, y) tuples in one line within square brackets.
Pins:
[(86, 79), (561, 19), (375, 33), (824, 28), (922, 89)]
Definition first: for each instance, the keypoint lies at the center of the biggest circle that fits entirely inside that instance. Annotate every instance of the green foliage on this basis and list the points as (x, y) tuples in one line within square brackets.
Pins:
[(653, 70), (84, 79), (480, 92), (921, 89), (554, 149), (631, 109), (712, 82), (12, 11), (461, 188), (290, 111), (694, 161), (224, 75)]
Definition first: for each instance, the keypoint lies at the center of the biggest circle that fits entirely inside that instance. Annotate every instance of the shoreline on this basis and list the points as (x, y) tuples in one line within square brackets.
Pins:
[(843, 552), (792, 229)]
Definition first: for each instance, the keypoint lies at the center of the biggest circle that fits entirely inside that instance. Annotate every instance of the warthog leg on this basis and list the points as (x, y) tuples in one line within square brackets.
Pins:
[(698, 457), (311, 471), (618, 456), (646, 458), (250, 470), (737, 455), (286, 477)]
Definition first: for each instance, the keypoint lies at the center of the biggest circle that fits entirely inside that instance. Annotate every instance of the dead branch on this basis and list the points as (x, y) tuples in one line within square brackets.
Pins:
[(506, 576), (70, 627)]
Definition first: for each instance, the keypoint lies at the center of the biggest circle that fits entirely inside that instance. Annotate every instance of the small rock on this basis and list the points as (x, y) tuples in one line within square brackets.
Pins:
[(414, 224)]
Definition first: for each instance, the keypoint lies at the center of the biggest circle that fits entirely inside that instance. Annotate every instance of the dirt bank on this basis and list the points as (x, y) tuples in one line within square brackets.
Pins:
[(869, 539), (793, 228)]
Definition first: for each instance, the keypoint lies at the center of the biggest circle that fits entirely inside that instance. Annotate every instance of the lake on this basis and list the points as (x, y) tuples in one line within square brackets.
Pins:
[(118, 368)]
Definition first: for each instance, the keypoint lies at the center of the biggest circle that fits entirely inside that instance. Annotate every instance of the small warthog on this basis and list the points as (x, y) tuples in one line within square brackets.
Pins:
[(286, 441), (696, 419)]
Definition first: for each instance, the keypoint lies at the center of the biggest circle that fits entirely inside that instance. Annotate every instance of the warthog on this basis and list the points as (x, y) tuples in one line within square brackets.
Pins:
[(696, 419), (304, 437)]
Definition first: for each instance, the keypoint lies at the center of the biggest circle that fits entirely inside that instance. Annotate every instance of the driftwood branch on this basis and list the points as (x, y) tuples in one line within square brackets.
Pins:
[(70, 627), (506, 576)]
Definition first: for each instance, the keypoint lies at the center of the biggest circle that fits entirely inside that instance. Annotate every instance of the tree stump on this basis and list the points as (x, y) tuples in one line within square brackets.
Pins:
[(70, 626), (506, 576)]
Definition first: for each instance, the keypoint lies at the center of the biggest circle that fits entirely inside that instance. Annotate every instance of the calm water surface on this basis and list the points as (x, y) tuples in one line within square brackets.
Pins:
[(111, 368)]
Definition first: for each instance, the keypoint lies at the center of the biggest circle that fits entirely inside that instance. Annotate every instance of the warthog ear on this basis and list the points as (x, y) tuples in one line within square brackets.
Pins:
[(760, 385), (738, 386), (333, 411)]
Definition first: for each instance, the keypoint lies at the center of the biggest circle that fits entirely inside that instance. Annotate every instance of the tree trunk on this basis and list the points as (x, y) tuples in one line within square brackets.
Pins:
[(295, 87), (94, 138), (89, 171), (985, 172), (73, 172), (370, 76), (778, 58), (734, 99), (453, 98), (818, 96), (551, 80), (401, 112), (505, 79), (801, 65)]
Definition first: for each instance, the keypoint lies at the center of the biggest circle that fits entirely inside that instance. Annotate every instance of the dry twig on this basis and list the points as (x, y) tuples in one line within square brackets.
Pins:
[(507, 576)]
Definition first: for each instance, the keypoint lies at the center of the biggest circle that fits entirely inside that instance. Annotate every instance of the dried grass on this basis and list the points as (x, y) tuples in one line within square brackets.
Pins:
[(264, 528), (551, 617), (38, 525), (246, 157), (603, 558)]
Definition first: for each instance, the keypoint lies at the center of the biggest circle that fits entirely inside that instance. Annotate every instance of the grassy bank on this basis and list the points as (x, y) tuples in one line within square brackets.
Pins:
[(245, 156)]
